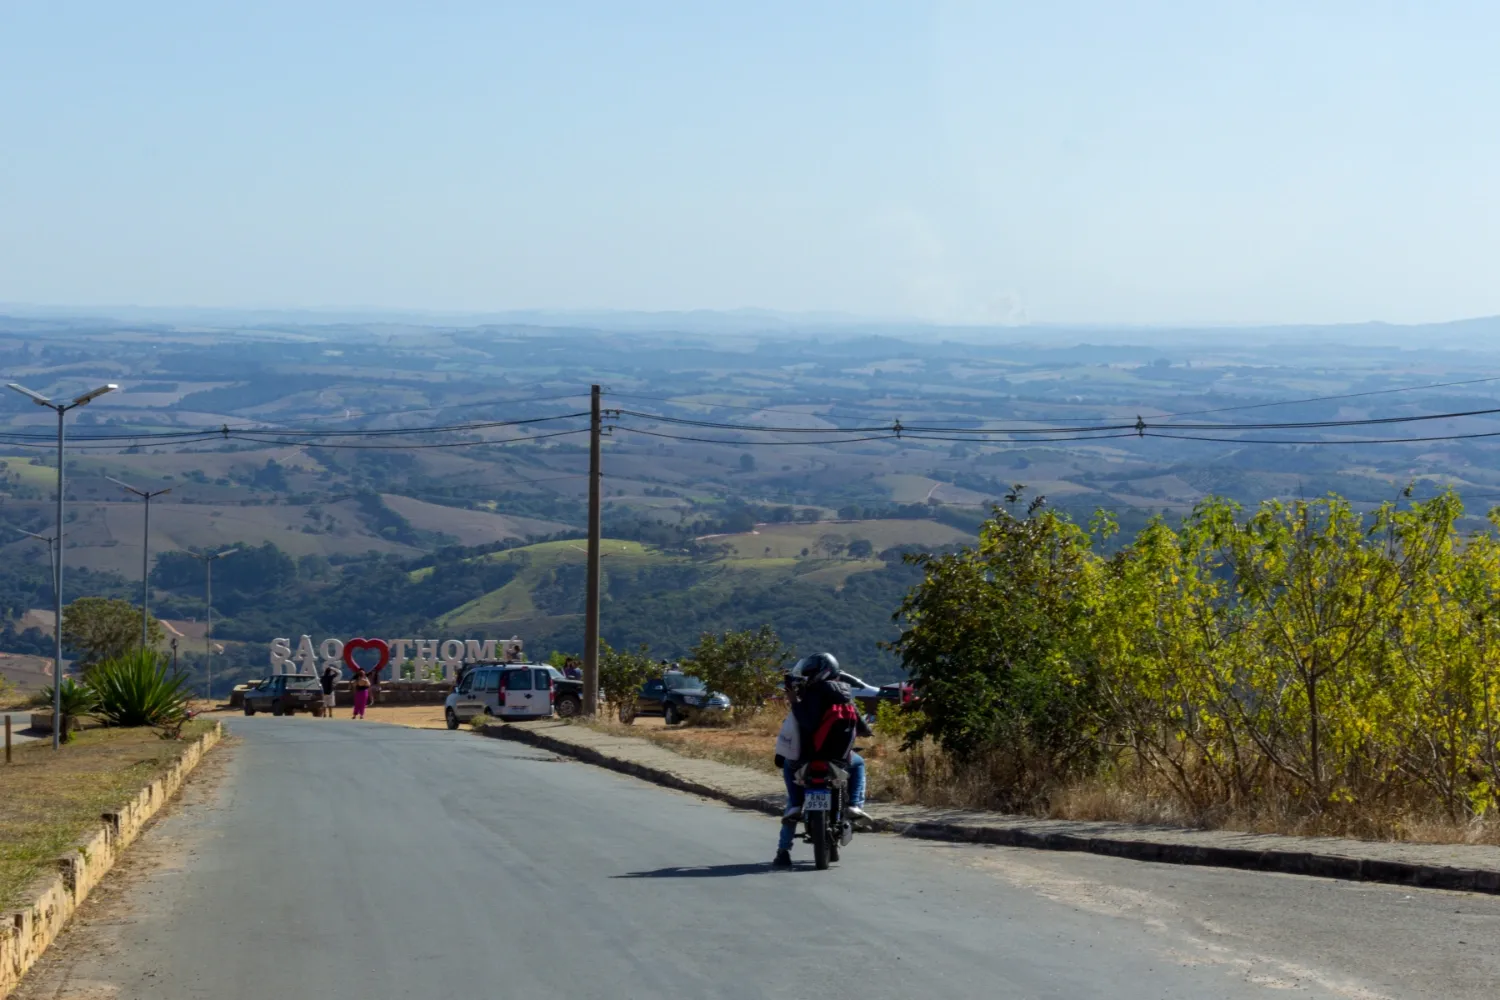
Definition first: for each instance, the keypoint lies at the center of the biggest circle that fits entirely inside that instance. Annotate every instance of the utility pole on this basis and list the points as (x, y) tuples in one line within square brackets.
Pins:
[(147, 496), (57, 566), (591, 610), (208, 598)]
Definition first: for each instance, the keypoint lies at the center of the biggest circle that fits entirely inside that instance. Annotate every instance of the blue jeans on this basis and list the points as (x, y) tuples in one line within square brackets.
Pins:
[(794, 794)]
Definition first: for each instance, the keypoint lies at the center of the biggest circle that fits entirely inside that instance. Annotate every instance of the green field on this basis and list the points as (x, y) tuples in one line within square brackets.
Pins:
[(514, 600), (786, 541), (745, 562)]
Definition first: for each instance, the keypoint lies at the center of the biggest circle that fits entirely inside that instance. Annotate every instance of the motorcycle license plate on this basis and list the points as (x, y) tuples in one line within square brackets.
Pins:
[(817, 802)]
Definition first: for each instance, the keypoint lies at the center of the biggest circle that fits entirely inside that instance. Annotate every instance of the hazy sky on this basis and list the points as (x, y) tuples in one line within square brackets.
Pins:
[(1103, 161)]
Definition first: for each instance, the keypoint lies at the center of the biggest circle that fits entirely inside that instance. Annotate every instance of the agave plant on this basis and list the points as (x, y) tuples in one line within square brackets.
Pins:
[(78, 700), (139, 689)]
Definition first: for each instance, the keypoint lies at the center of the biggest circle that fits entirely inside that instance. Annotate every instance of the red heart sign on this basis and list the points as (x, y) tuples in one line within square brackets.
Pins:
[(378, 644)]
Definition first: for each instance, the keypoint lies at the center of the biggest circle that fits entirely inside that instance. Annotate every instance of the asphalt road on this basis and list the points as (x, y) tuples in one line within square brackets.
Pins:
[(334, 859)]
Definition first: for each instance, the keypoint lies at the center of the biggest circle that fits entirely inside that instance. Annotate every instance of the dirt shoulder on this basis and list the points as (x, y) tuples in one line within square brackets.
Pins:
[(48, 799)]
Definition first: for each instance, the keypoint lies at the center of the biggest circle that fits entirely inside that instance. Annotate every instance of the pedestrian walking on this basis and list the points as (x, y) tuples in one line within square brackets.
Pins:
[(375, 686), (361, 693), (329, 679)]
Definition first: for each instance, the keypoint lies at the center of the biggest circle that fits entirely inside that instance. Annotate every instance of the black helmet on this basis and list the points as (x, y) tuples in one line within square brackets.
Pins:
[(817, 667)]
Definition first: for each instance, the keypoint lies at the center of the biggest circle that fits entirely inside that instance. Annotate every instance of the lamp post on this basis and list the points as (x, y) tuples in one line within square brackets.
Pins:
[(51, 555), (57, 566), (147, 496), (208, 598)]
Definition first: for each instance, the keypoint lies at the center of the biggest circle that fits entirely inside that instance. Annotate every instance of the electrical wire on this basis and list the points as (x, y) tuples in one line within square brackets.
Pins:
[(1315, 441), (224, 430), (1140, 426), (760, 444), (413, 447)]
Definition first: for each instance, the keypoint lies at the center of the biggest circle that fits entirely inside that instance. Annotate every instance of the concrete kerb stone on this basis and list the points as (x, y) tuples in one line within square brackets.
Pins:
[(1351, 860), (27, 932)]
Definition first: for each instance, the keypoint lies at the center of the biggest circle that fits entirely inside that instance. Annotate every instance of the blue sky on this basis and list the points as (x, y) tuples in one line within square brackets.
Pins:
[(960, 162)]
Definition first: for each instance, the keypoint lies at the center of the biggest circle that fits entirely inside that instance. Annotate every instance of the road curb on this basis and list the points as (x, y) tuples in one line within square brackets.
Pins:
[(26, 933), (1016, 833)]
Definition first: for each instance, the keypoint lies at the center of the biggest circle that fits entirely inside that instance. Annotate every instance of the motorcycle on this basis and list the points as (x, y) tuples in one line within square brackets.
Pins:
[(824, 821)]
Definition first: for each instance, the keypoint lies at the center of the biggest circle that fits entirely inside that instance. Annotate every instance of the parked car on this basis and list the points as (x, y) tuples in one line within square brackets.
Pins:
[(858, 689), (285, 694), (674, 696), (514, 692), (902, 692), (568, 693)]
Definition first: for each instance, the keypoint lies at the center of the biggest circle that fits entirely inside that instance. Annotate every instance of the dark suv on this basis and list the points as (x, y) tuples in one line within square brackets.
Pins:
[(285, 694), (674, 696)]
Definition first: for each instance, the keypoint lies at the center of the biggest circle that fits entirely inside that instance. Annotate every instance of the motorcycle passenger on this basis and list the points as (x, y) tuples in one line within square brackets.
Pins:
[(788, 752), (825, 723)]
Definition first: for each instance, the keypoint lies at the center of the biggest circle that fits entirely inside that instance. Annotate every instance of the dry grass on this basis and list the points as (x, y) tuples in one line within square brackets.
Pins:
[(1137, 796), (49, 799), (749, 744), (924, 775)]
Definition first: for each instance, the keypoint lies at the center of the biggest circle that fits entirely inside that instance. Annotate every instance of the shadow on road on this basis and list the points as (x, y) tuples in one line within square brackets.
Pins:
[(705, 871)]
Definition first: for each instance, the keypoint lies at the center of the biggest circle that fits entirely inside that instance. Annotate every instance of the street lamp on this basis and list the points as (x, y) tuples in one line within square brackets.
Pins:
[(147, 496), (208, 597), (51, 556), (57, 565)]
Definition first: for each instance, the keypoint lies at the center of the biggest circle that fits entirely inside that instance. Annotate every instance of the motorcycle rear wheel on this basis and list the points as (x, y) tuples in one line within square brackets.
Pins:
[(817, 832)]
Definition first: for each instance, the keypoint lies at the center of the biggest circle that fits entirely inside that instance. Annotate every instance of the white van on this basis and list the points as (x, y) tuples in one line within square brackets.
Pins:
[(512, 692)]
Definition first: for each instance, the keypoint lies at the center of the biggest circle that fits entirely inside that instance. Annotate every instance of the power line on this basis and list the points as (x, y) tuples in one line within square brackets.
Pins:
[(1140, 426), (412, 447), (756, 444), (1316, 441), (225, 431)]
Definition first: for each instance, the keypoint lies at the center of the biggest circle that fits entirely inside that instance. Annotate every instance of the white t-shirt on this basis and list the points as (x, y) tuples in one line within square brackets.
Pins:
[(789, 740)]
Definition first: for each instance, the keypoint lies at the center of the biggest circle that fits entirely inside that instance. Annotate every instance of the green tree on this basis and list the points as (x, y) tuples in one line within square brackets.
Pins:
[(99, 628), (621, 674), (997, 640), (746, 666)]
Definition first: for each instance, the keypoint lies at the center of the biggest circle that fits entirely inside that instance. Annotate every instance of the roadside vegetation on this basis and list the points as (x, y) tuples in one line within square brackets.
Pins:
[(48, 800), (1300, 667)]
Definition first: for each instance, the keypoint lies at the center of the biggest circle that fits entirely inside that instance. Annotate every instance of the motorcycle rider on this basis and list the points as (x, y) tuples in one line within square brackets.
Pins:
[(822, 725)]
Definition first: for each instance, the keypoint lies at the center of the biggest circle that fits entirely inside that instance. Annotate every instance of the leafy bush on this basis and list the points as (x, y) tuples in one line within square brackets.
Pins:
[(1302, 661), (997, 644), (139, 689), (100, 628), (621, 674), (746, 666), (78, 700)]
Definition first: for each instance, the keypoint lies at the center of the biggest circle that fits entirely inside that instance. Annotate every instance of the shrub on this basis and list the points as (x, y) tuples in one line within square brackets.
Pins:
[(78, 700), (621, 674), (997, 641), (1304, 661), (139, 689), (746, 666)]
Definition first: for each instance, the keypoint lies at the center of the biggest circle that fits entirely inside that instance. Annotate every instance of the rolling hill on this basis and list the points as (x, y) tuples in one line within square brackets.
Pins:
[(666, 598)]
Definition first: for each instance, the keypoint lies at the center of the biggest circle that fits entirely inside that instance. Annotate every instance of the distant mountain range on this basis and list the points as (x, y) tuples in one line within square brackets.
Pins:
[(1464, 333)]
